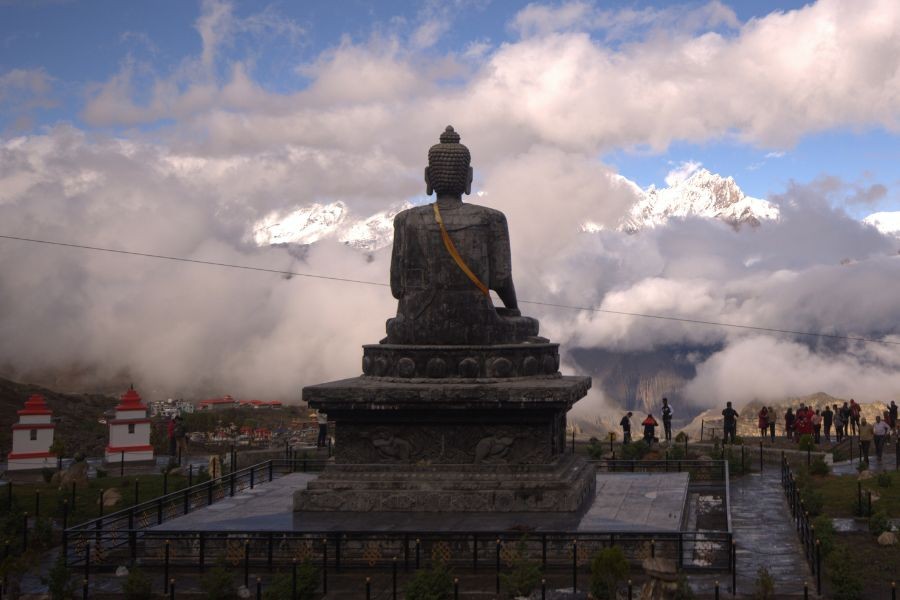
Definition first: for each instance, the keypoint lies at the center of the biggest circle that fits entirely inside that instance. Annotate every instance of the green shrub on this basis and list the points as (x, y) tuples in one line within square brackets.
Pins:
[(813, 501), (807, 442), (765, 585), (42, 533), (682, 437), (843, 575), (101, 473), (861, 466), (137, 586), (884, 480), (595, 450), (218, 583), (307, 583), (738, 440), (825, 533), (879, 523), (202, 476), (430, 584), (609, 568), (525, 574), (677, 453), (59, 581), (683, 591), (47, 474), (819, 467), (635, 450)]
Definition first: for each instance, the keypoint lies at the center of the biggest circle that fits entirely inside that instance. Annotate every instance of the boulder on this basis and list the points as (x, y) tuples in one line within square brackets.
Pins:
[(77, 473), (888, 538), (867, 474), (122, 571), (111, 497)]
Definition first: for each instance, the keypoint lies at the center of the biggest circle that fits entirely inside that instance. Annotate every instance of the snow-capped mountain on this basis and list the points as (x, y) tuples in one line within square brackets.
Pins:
[(320, 221), (703, 194), (885, 222)]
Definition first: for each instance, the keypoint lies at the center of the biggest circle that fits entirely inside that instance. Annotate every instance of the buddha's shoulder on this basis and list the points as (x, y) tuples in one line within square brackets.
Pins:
[(426, 212)]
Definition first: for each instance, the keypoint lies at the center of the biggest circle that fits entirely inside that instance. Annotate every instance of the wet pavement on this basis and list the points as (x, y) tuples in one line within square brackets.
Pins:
[(765, 536), (624, 502)]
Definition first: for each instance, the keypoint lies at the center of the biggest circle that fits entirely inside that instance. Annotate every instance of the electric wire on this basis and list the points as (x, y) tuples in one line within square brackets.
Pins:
[(532, 302)]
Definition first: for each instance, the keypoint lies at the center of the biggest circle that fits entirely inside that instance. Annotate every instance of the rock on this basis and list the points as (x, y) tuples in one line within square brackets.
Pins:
[(661, 568), (76, 473), (243, 592), (867, 474), (888, 538), (122, 571), (111, 497)]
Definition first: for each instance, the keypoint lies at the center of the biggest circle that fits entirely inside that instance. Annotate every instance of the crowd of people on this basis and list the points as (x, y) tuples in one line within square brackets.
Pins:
[(845, 420)]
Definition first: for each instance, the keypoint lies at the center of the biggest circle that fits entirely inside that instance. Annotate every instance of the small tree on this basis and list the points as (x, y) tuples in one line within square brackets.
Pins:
[(609, 568), (307, 584), (525, 574), (430, 584), (59, 580), (218, 583), (137, 586), (765, 585)]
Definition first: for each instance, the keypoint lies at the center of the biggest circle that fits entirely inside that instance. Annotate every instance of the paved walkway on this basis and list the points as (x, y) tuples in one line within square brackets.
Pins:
[(765, 536)]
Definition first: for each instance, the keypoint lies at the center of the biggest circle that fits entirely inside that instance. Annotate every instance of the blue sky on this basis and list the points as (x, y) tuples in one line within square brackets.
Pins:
[(82, 45)]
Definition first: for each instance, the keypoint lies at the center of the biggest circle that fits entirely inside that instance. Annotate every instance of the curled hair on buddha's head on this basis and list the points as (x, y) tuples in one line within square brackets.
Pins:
[(448, 165)]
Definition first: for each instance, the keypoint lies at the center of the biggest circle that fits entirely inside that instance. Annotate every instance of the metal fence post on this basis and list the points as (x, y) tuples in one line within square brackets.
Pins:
[(818, 568), (324, 566), (166, 568), (497, 570), (574, 565), (733, 568)]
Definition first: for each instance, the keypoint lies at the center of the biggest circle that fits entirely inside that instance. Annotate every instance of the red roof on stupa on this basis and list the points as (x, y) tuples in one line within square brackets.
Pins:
[(131, 401), (36, 405)]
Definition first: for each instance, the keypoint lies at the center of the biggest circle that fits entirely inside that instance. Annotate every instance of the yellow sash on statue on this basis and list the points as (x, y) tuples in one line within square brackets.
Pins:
[(448, 244)]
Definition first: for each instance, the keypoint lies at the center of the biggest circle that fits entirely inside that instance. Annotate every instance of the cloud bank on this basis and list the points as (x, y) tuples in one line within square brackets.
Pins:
[(206, 152)]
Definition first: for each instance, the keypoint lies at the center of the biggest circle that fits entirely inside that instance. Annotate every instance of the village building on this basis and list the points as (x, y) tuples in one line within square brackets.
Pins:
[(32, 437), (129, 431)]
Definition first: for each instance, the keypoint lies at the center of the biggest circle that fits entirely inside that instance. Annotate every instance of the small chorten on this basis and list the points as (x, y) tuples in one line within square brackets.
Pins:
[(129, 431), (32, 437)]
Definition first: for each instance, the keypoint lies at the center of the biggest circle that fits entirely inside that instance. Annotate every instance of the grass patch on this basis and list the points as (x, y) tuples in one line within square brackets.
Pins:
[(839, 494), (86, 500)]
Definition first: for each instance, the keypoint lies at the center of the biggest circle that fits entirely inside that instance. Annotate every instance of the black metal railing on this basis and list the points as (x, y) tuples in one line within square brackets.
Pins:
[(812, 548)]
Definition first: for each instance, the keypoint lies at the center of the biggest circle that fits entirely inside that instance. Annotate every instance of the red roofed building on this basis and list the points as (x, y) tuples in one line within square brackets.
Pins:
[(32, 437), (129, 431), (218, 403)]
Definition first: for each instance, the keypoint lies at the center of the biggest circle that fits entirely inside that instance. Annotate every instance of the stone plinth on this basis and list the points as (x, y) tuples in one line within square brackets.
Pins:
[(449, 444)]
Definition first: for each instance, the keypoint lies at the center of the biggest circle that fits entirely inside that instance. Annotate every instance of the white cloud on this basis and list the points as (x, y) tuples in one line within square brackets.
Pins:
[(682, 172)]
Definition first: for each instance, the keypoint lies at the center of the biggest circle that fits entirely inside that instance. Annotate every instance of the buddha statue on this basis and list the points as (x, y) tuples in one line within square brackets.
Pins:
[(446, 257)]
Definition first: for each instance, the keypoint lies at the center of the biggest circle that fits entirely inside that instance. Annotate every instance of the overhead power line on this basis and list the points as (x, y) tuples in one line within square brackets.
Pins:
[(547, 304)]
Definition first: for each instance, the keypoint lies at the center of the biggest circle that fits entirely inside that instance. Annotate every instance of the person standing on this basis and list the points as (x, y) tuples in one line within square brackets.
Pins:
[(789, 423), (827, 421), (625, 424), (773, 419), (667, 419), (866, 435), (854, 416), (650, 425), (763, 422), (730, 424), (322, 420), (838, 424), (816, 420), (845, 417), (170, 435), (892, 411), (180, 438), (880, 431)]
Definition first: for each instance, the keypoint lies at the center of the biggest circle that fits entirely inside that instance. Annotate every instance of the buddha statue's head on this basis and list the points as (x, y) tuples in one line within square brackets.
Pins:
[(448, 171)]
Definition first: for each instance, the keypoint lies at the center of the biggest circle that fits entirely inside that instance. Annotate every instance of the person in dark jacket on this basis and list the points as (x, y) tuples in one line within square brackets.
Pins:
[(827, 421), (650, 425), (625, 424), (892, 412), (730, 424), (789, 419), (667, 419)]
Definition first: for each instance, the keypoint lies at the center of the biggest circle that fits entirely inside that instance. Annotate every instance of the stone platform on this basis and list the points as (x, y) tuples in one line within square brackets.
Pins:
[(479, 445), (630, 502)]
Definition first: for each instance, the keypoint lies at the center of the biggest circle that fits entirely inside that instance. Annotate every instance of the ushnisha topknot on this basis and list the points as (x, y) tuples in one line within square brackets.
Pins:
[(448, 164)]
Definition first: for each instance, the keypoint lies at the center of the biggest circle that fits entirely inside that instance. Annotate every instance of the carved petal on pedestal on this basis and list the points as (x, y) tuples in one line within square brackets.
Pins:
[(501, 367), (530, 366), (406, 367), (468, 367), (436, 368)]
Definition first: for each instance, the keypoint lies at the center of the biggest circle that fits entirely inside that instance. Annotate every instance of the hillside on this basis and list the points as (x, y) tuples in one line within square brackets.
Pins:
[(76, 416)]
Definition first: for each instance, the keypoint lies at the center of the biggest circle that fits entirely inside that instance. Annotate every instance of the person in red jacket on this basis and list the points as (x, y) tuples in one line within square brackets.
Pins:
[(650, 425), (763, 422)]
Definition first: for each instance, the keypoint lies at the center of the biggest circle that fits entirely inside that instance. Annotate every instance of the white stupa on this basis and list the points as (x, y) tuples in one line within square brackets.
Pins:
[(32, 437), (129, 432)]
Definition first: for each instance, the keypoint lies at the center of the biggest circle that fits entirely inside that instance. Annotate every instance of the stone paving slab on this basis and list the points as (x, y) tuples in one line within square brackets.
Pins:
[(624, 502)]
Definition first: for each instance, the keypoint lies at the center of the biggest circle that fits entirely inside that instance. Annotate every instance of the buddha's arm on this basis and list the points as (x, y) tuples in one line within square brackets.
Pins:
[(501, 263)]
